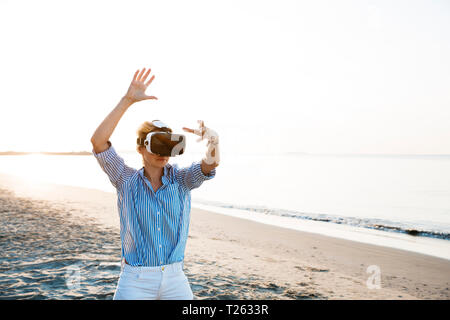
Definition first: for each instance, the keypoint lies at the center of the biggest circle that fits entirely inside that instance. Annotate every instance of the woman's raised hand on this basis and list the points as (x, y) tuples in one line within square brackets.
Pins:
[(136, 91)]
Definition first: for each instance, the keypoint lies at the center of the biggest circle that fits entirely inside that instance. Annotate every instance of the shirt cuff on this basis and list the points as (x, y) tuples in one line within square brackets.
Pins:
[(106, 155), (199, 175)]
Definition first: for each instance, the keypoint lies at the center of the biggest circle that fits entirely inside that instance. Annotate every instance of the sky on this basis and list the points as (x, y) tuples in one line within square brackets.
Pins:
[(268, 76)]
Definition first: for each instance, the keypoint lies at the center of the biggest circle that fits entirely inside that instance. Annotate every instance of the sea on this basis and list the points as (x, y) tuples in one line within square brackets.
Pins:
[(399, 201)]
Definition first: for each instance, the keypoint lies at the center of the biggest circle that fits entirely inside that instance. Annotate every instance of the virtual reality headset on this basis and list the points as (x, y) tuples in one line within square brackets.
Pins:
[(165, 144)]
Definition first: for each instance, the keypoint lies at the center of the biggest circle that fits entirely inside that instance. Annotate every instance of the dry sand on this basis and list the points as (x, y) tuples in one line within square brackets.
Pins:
[(232, 258)]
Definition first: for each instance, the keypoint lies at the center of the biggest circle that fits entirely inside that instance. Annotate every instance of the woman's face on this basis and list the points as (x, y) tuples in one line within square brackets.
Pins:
[(153, 160)]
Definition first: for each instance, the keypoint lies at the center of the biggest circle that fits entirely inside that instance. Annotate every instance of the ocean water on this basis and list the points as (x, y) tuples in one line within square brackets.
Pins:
[(407, 197)]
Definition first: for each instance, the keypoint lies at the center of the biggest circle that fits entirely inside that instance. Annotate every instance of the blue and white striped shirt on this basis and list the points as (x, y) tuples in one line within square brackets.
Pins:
[(153, 225)]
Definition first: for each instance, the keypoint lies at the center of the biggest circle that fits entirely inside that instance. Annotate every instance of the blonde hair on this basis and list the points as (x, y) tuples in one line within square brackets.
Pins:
[(147, 127)]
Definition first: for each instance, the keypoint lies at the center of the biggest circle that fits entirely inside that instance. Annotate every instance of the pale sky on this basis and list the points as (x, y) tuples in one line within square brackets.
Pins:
[(314, 76)]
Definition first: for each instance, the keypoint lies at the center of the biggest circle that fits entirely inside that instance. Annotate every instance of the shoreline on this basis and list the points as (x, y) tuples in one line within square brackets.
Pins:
[(430, 246), (230, 257), (335, 268)]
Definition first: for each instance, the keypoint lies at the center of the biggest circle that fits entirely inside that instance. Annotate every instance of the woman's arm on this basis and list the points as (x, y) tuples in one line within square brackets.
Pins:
[(104, 131), (135, 93)]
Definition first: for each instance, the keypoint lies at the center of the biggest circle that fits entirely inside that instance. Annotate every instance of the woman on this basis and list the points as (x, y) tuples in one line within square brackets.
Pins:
[(154, 203)]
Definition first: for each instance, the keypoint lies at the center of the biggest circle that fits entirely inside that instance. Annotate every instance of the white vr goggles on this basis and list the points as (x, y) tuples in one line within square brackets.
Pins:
[(163, 143)]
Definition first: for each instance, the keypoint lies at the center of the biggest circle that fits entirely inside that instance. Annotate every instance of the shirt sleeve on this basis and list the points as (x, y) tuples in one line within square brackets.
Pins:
[(192, 177), (114, 166)]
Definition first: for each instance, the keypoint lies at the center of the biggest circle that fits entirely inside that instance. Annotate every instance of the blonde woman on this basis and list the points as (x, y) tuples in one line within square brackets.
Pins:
[(154, 202)]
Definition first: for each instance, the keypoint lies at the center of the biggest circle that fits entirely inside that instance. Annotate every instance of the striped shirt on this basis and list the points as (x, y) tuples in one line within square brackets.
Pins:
[(153, 225)]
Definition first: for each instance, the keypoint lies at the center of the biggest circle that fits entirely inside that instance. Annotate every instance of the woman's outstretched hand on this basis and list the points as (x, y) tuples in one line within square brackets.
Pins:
[(200, 131), (136, 91), (212, 157)]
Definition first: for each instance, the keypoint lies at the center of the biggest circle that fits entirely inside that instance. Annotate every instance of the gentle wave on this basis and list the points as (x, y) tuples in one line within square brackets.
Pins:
[(370, 223)]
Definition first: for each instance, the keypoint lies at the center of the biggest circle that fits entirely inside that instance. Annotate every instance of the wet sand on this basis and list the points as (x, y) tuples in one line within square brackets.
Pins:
[(44, 248), (49, 234)]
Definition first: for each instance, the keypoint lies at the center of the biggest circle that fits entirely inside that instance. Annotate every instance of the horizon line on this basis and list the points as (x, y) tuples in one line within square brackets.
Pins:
[(10, 152)]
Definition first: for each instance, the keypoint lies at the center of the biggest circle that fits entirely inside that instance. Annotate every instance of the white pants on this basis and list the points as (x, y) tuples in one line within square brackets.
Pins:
[(166, 282)]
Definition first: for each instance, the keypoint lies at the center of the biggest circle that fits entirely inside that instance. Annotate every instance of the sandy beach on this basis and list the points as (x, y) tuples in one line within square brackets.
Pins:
[(48, 231)]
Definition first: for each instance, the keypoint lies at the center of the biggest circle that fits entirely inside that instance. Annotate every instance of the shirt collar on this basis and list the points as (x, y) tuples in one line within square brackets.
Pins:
[(164, 178)]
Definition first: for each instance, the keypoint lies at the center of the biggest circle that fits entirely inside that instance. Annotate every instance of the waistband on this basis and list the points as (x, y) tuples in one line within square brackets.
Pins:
[(173, 267)]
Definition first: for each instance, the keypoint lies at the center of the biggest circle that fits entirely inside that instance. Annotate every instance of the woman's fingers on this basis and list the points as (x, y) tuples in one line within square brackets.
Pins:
[(198, 131), (201, 124), (151, 97), (188, 130), (135, 75), (146, 75), (150, 81), (140, 75)]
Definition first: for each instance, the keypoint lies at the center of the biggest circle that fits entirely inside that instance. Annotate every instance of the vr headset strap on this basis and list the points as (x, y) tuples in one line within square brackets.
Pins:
[(140, 141)]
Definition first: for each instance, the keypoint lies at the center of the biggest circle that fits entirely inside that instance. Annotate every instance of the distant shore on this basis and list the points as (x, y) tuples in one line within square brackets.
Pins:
[(18, 153), (368, 155)]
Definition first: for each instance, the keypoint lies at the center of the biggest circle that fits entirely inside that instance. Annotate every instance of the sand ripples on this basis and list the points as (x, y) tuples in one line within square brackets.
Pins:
[(50, 254)]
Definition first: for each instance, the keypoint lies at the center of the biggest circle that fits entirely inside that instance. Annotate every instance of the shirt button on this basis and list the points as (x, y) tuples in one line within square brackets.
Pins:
[(159, 229), (158, 212), (160, 246)]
